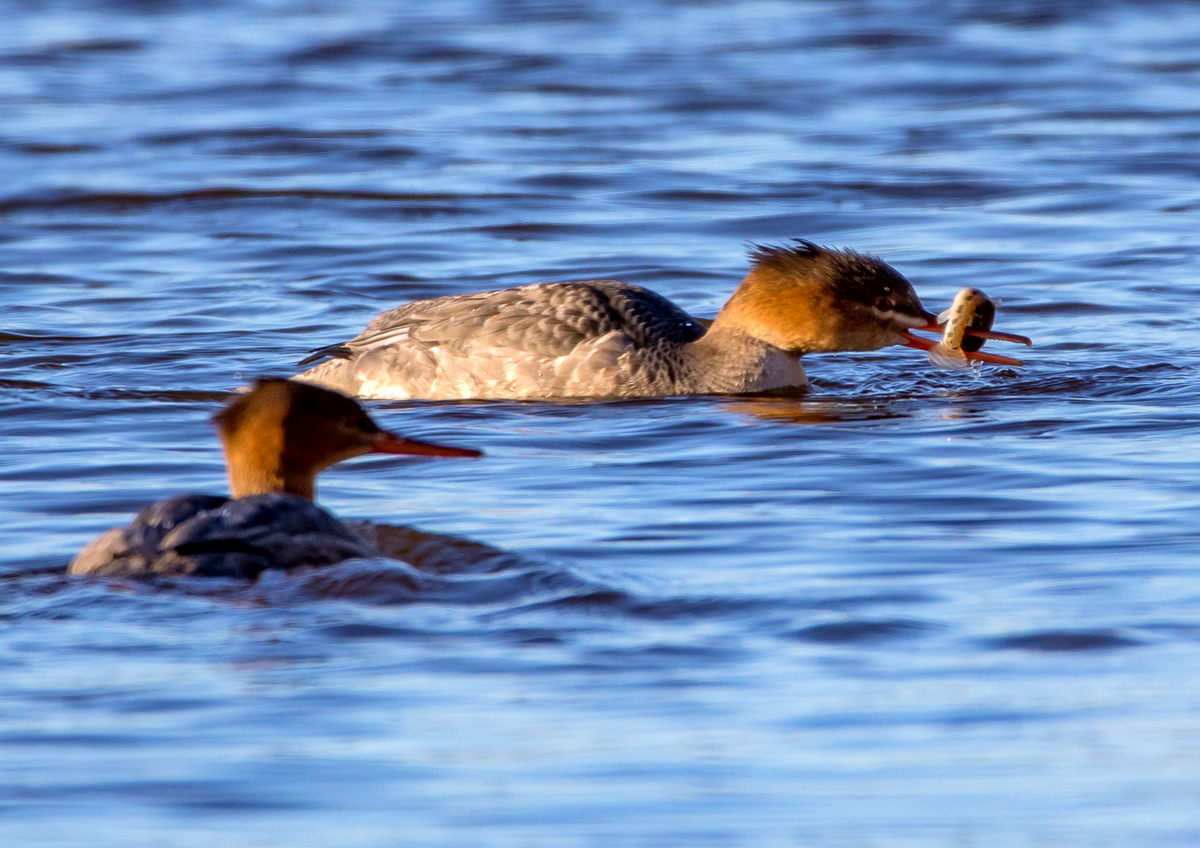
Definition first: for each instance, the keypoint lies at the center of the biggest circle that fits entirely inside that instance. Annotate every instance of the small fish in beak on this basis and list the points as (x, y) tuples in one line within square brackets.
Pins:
[(965, 326)]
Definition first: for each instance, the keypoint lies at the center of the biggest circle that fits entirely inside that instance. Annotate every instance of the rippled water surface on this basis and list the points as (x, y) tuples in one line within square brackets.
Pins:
[(912, 608)]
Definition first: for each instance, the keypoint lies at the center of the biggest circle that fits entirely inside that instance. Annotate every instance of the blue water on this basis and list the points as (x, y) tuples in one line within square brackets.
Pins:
[(914, 608)]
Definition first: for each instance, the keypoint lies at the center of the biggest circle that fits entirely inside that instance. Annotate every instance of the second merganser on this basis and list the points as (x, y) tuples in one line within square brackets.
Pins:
[(276, 438), (608, 339)]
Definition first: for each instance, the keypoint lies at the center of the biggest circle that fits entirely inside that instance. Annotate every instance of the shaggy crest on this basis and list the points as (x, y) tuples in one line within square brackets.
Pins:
[(858, 276)]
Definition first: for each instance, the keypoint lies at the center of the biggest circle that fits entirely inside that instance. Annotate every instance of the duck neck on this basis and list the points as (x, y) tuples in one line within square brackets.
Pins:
[(253, 472), (728, 360)]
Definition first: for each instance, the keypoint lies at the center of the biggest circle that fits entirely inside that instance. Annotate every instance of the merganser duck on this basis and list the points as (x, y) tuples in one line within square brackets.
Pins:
[(608, 339), (276, 439)]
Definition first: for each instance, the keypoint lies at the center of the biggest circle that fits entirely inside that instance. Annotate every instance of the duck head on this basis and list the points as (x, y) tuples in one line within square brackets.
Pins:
[(281, 434), (804, 298)]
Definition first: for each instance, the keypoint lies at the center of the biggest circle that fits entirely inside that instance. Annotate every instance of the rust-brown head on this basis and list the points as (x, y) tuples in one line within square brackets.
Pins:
[(803, 298), (281, 434)]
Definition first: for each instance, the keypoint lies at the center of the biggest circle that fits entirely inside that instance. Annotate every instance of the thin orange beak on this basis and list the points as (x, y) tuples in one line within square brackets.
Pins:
[(978, 355), (934, 327), (1000, 337), (387, 442)]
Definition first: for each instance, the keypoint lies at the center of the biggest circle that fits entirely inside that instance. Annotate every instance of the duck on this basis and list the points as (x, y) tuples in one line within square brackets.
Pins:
[(603, 339), (276, 438)]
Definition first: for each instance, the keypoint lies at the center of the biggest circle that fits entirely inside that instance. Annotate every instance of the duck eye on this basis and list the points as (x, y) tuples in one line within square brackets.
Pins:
[(884, 304)]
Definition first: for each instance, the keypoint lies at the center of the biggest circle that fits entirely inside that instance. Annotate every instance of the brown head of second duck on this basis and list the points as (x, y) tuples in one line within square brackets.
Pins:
[(281, 434), (608, 339), (276, 438)]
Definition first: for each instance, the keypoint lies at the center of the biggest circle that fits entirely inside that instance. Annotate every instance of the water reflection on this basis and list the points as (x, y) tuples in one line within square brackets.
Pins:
[(785, 410)]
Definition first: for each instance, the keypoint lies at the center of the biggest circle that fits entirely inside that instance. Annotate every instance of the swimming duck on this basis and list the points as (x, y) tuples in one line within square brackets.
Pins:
[(276, 439), (608, 339)]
